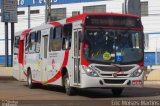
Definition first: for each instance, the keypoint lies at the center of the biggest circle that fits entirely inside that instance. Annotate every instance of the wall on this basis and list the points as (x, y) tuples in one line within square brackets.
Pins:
[(151, 23)]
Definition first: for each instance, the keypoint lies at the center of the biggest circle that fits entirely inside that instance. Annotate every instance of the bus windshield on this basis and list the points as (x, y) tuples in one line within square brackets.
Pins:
[(113, 46)]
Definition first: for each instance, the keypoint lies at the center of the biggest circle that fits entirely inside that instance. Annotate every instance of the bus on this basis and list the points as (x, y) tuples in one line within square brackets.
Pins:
[(93, 50)]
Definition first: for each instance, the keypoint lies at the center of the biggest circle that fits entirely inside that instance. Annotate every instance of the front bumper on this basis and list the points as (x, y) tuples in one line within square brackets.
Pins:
[(104, 82)]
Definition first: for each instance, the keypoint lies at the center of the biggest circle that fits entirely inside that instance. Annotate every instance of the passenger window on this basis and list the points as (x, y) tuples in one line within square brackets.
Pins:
[(55, 43), (32, 46), (28, 40), (58, 32), (33, 42), (45, 46), (16, 45), (33, 37), (38, 36), (79, 35), (51, 39), (67, 37), (38, 41)]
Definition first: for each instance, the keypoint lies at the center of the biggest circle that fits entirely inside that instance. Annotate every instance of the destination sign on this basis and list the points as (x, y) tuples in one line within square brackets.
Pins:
[(113, 21)]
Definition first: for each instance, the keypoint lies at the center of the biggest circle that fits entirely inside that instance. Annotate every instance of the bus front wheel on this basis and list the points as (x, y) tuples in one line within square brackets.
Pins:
[(29, 80), (117, 91), (69, 90)]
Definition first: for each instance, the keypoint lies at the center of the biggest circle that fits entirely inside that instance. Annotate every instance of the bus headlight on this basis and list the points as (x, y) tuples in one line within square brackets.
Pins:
[(137, 73), (90, 72)]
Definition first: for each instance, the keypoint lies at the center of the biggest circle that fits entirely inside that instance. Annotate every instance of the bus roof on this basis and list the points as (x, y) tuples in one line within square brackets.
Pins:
[(71, 19), (83, 16)]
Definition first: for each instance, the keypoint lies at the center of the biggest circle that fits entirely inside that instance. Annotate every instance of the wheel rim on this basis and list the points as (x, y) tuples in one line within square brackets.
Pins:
[(29, 80), (67, 84)]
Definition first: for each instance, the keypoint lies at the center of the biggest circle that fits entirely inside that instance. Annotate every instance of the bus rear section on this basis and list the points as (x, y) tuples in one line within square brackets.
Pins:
[(16, 65)]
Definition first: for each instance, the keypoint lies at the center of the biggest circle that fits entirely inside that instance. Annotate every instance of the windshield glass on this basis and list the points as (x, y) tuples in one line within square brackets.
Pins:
[(113, 46)]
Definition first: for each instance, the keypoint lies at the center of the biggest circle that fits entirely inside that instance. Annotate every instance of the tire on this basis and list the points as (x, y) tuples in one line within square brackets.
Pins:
[(69, 90), (117, 91), (29, 80)]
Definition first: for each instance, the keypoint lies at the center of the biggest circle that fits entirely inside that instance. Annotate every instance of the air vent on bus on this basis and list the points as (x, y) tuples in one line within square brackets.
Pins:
[(114, 69), (111, 81)]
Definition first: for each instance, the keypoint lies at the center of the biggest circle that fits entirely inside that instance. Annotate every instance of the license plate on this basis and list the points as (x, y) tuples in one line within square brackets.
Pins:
[(137, 82)]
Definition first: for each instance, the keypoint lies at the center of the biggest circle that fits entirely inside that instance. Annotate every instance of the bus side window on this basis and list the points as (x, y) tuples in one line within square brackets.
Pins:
[(27, 43), (66, 42), (67, 37), (51, 39), (38, 37), (55, 43), (38, 41), (16, 45), (32, 43), (79, 34)]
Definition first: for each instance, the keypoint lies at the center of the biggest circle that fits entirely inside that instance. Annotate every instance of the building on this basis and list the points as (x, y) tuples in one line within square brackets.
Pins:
[(150, 12)]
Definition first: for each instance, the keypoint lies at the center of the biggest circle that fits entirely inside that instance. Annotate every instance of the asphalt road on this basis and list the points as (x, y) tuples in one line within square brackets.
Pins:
[(11, 89)]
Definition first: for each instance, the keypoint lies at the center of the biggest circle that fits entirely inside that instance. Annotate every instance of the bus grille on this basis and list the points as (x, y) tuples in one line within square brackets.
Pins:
[(118, 75), (113, 69), (110, 81)]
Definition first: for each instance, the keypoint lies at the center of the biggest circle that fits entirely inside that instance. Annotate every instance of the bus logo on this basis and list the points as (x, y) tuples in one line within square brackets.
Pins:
[(115, 75)]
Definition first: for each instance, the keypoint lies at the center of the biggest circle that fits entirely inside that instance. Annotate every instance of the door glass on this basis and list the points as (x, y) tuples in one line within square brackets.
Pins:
[(75, 44), (76, 59), (79, 34), (45, 46)]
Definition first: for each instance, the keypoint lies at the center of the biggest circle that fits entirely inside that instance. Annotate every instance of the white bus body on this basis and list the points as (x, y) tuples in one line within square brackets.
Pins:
[(53, 54)]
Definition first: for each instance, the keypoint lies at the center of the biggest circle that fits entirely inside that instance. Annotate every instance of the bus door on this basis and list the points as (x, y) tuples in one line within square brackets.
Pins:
[(44, 51), (76, 54)]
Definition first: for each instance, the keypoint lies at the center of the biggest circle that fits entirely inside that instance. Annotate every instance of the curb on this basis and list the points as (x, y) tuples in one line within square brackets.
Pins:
[(151, 82), (7, 78)]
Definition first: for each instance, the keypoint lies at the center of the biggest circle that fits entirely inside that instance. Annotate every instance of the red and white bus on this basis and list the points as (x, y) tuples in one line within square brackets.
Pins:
[(102, 50)]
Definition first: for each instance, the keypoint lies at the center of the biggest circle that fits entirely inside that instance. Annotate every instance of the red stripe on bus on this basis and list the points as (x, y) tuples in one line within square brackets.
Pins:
[(55, 23), (32, 79), (141, 64), (75, 18), (21, 46), (58, 75), (25, 74), (20, 53), (36, 81), (24, 33)]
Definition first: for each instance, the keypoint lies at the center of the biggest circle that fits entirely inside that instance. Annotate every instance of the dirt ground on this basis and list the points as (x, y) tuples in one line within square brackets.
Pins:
[(5, 71)]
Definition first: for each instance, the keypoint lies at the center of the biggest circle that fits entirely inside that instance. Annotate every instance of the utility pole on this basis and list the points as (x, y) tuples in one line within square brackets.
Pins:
[(6, 44), (132, 7), (12, 42), (9, 15), (48, 11), (29, 17)]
